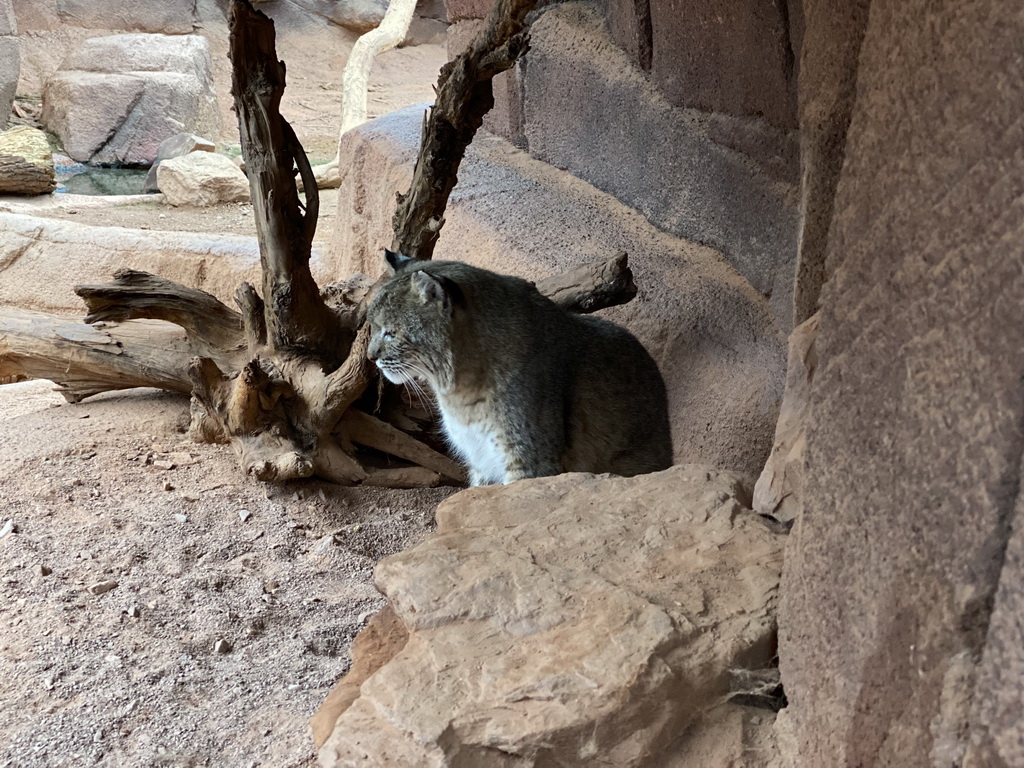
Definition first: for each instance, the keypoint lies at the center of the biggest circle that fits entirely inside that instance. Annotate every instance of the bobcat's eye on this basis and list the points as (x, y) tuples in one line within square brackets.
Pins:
[(387, 335)]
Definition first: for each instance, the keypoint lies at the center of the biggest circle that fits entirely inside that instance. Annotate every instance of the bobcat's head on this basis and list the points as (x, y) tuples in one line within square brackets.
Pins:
[(411, 324)]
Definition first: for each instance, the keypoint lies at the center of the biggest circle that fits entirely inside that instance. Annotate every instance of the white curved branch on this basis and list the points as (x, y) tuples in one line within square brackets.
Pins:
[(355, 80)]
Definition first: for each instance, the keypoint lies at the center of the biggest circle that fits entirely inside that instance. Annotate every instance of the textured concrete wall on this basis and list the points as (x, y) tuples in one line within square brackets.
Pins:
[(729, 56), (914, 450), (581, 102)]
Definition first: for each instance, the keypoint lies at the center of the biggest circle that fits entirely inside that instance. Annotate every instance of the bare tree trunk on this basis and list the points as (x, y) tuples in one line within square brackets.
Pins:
[(278, 378)]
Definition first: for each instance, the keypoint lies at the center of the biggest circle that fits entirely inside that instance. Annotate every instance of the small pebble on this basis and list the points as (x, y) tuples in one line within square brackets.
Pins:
[(103, 587), (168, 486), (222, 646), (45, 570), (244, 514), (163, 464), (8, 528), (180, 518), (135, 611)]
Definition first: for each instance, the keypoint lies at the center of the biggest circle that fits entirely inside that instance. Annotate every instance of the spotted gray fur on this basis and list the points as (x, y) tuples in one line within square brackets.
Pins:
[(524, 388)]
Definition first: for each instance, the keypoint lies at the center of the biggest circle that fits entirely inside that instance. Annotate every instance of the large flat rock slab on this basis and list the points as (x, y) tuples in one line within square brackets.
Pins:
[(42, 259), (561, 620)]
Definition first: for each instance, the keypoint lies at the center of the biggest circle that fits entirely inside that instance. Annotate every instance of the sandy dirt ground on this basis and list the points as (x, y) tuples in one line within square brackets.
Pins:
[(158, 608)]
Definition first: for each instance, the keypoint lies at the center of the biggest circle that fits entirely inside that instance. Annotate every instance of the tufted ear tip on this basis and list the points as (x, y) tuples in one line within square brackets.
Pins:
[(397, 261)]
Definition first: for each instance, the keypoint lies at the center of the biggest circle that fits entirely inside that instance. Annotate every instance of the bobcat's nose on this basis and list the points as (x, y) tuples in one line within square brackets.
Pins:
[(373, 351)]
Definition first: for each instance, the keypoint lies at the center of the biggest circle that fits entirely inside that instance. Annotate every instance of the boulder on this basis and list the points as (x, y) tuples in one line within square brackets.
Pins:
[(557, 620), (26, 162), (778, 489), (176, 146), (202, 178), (117, 98), (358, 15), (173, 17)]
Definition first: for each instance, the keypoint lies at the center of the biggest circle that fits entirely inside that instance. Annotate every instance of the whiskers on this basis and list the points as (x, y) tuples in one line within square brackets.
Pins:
[(412, 374)]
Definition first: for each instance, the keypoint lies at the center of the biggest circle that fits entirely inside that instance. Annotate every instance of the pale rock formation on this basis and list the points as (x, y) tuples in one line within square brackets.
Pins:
[(777, 492), (176, 146), (202, 178), (574, 620), (117, 98)]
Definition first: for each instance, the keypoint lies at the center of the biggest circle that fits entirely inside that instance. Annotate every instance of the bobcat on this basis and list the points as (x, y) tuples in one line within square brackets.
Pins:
[(524, 388)]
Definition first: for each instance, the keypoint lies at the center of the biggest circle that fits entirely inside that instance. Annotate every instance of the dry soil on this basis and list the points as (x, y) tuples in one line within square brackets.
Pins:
[(156, 606)]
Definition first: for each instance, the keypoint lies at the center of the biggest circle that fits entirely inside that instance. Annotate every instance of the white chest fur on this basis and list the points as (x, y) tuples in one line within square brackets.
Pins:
[(474, 438)]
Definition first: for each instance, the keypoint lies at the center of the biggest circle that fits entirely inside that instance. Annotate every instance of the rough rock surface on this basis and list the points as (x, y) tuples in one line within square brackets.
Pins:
[(779, 488), (828, 90), (167, 16), (26, 163), (576, 620), (726, 56), (10, 60), (176, 146), (37, 255), (714, 337), (202, 178), (116, 98), (359, 15), (914, 450)]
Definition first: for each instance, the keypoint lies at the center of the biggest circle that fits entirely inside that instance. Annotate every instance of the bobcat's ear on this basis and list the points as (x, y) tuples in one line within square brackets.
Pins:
[(397, 261), (432, 288)]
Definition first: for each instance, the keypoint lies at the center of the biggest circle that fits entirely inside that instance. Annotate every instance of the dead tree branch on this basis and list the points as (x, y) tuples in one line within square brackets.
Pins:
[(464, 96)]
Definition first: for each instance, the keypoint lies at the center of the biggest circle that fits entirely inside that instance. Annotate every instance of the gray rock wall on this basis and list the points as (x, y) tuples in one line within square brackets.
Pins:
[(717, 170), (914, 449), (172, 17)]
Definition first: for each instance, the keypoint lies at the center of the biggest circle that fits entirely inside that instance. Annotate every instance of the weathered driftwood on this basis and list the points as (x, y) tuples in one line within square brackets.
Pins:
[(20, 177), (592, 286), (85, 360), (278, 378)]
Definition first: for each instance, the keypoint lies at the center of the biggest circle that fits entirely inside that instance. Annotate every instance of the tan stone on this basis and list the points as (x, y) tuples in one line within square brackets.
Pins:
[(778, 489), (116, 98), (560, 619), (202, 178)]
